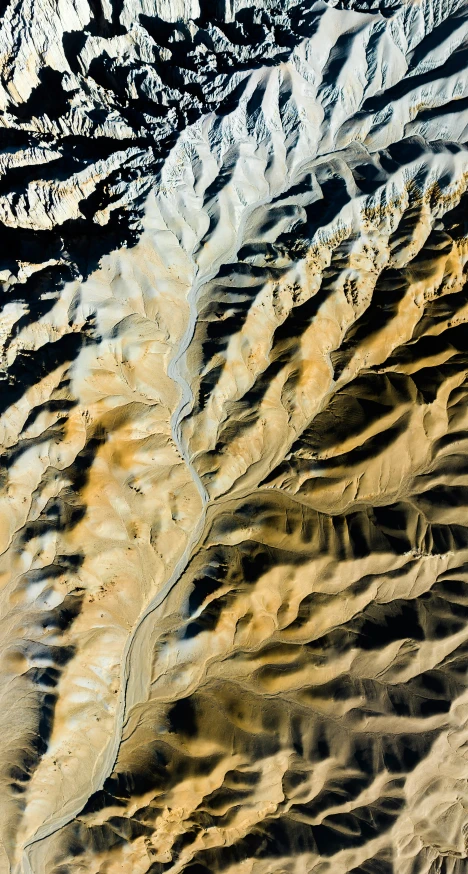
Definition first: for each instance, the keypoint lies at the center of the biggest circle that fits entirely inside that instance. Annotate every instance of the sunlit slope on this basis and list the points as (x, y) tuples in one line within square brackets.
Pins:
[(233, 421)]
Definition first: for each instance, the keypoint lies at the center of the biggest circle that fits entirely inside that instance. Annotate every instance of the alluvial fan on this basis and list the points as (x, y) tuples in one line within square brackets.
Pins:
[(234, 437)]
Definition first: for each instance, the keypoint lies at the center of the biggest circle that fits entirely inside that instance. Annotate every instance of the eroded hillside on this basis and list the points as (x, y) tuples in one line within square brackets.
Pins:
[(234, 433)]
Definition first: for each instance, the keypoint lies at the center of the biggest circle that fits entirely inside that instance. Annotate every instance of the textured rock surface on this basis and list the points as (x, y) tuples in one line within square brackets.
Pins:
[(234, 437)]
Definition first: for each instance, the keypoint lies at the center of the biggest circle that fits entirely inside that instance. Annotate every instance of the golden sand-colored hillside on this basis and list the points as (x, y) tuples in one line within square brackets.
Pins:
[(234, 436)]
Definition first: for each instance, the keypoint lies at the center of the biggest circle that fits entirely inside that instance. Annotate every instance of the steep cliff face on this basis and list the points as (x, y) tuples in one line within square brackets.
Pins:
[(234, 435)]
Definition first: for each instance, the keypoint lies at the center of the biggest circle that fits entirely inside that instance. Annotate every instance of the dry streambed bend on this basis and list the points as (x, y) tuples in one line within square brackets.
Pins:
[(234, 435)]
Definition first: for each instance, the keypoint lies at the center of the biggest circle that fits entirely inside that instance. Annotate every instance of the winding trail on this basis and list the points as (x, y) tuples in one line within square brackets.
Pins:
[(135, 682), (132, 693)]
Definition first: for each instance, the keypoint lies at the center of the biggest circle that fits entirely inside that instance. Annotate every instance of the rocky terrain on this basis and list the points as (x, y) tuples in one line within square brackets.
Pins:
[(234, 437)]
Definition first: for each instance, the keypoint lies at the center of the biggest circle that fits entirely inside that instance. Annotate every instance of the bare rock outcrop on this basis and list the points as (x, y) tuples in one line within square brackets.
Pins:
[(234, 489)]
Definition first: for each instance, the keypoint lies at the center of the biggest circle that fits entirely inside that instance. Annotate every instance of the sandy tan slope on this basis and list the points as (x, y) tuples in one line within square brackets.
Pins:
[(233, 613)]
